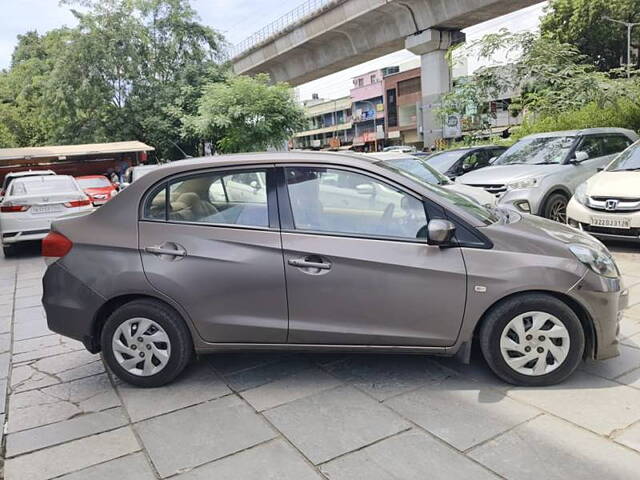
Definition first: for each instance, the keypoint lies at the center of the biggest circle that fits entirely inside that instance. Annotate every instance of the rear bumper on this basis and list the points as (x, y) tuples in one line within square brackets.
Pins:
[(70, 306)]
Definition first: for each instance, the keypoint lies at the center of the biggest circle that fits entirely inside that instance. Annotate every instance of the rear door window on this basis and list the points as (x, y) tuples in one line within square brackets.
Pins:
[(613, 144)]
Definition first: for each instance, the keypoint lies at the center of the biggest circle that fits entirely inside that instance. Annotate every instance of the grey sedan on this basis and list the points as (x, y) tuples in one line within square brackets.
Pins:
[(308, 251)]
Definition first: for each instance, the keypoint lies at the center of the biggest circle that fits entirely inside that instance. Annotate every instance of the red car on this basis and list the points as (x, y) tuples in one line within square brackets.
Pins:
[(98, 188)]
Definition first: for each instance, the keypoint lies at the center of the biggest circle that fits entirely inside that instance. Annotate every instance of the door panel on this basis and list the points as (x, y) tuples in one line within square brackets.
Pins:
[(231, 281), (376, 292)]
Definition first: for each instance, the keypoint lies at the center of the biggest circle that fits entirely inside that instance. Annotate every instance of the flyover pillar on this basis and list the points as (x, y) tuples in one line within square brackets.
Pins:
[(432, 45)]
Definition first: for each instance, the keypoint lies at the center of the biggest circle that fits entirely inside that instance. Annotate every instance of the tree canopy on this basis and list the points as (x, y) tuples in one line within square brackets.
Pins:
[(582, 23), (133, 69)]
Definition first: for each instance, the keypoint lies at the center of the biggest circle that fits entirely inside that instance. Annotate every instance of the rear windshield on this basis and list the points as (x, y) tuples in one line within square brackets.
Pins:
[(98, 182), (42, 185), (419, 168), (444, 161)]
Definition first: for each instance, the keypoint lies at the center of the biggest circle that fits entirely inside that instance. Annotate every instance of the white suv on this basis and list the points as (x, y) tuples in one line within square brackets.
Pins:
[(539, 173)]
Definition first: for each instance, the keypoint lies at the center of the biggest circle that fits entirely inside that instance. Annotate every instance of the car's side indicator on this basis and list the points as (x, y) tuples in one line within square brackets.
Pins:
[(480, 289)]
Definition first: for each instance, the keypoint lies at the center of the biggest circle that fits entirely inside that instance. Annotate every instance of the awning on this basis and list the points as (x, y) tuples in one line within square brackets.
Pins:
[(73, 150)]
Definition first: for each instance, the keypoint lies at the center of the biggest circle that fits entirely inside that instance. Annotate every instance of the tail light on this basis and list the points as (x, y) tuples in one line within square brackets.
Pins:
[(78, 203), (55, 245), (14, 208)]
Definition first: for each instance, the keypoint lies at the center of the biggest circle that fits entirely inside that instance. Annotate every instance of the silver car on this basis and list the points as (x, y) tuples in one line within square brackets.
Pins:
[(539, 173), (291, 251)]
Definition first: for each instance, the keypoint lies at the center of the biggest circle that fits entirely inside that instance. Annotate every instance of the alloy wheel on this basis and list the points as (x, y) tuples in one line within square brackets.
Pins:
[(141, 346), (558, 210), (534, 343)]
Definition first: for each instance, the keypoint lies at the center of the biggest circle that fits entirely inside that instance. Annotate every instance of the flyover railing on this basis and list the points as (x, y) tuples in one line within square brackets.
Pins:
[(279, 25)]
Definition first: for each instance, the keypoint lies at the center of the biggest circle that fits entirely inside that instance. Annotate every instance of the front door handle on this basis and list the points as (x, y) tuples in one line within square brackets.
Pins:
[(309, 263), (166, 250)]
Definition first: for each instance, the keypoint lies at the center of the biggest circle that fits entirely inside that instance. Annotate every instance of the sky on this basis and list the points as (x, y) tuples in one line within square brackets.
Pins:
[(236, 19)]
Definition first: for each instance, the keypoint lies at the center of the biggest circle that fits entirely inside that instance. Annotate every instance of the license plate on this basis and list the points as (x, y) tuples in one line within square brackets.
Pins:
[(611, 222), (45, 209)]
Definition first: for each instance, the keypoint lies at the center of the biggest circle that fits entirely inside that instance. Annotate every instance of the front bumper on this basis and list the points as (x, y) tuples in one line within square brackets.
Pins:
[(604, 299), (525, 200), (581, 217), (70, 305)]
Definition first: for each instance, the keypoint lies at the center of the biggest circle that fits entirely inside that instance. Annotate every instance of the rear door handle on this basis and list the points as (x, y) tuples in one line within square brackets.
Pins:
[(160, 250), (303, 263)]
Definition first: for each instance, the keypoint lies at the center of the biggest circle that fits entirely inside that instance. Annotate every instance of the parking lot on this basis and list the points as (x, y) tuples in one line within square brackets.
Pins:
[(306, 416)]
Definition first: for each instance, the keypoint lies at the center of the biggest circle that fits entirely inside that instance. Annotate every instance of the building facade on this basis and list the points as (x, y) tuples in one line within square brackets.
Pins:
[(329, 124), (402, 99)]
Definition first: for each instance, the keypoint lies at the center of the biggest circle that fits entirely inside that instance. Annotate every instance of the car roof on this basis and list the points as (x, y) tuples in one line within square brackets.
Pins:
[(90, 176), (43, 178), (31, 173), (584, 131)]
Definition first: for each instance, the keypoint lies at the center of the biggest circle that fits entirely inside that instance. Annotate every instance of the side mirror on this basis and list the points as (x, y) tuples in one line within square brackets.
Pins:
[(365, 189), (440, 232), (580, 156), (492, 159), (467, 166), (599, 169), (255, 185)]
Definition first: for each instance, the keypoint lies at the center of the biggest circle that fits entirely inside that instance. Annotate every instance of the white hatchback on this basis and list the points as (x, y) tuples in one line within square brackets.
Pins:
[(32, 203)]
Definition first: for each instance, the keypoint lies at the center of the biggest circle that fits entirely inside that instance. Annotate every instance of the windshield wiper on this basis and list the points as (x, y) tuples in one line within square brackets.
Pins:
[(626, 169)]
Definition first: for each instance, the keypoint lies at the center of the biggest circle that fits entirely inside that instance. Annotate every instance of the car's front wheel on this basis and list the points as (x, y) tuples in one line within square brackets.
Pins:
[(555, 208), (146, 343), (532, 340)]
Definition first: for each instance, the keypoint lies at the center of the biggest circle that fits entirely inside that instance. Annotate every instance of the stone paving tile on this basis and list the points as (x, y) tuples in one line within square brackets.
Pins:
[(592, 402), (72, 456), (5, 342), (42, 347), (230, 363), (25, 292), (6, 299), (275, 460), (61, 402), (334, 422), (269, 372), (28, 302), (383, 376), (200, 434), (56, 433), (131, 467), (632, 379), (409, 456), (4, 364), (28, 314), (5, 324), (35, 327), (299, 385), (632, 341), (629, 326), (196, 385), (551, 449), (628, 360), (3, 397), (461, 412), (629, 437)]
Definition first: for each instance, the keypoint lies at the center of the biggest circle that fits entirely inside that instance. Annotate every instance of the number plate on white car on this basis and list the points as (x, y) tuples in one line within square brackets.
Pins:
[(46, 208), (611, 222)]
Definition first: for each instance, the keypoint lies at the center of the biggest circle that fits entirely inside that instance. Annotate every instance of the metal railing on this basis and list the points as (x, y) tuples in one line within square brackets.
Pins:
[(294, 16)]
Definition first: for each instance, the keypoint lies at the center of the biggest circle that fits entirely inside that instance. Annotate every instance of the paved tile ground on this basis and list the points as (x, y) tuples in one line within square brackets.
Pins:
[(306, 417)]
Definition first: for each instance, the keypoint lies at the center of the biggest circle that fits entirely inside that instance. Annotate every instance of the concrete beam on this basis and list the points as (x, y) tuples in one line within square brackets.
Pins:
[(350, 32)]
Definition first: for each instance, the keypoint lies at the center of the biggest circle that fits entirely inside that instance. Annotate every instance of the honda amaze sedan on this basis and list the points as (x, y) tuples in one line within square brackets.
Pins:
[(189, 260)]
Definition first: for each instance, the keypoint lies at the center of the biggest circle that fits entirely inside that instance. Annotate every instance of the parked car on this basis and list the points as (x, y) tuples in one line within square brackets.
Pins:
[(135, 173), (399, 148), (32, 202), (539, 173), (419, 167), (98, 188), (166, 269), (454, 163), (608, 204), (10, 177)]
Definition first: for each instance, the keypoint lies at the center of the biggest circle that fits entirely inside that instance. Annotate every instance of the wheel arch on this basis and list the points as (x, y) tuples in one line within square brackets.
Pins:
[(110, 306), (552, 191), (581, 312)]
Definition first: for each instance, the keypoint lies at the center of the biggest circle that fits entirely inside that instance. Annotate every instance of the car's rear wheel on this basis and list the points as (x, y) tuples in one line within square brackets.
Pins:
[(532, 340), (555, 208), (146, 343)]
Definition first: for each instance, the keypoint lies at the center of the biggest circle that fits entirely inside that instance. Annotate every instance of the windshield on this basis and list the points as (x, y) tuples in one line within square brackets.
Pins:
[(43, 185), (445, 160), (420, 169), (627, 161), (473, 208), (139, 172), (97, 182), (537, 151)]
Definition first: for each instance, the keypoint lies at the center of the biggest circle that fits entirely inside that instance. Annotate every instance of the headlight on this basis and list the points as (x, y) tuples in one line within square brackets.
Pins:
[(113, 193), (581, 193), (527, 183), (598, 260)]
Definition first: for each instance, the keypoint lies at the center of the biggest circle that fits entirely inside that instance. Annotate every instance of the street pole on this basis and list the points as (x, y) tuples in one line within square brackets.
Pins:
[(629, 26)]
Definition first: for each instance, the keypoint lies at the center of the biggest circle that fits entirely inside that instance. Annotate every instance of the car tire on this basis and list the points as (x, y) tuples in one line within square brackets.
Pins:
[(159, 361), (555, 208), (506, 352)]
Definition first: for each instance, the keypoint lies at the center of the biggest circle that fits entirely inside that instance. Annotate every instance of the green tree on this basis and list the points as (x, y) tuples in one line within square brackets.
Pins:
[(245, 114), (581, 23)]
